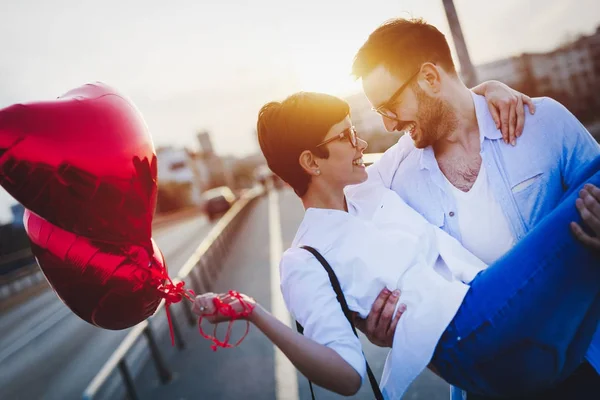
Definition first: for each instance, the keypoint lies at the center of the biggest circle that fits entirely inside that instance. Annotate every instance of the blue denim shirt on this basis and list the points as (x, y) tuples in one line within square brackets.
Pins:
[(528, 179)]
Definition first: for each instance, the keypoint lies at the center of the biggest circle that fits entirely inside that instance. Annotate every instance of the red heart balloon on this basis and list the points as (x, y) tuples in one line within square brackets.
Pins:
[(84, 167), (85, 162)]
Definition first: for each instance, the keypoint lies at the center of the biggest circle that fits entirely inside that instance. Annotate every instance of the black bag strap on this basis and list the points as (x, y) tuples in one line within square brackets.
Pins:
[(340, 297)]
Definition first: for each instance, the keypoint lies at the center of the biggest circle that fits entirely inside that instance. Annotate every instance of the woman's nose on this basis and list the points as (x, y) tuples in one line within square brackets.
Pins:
[(362, 144)]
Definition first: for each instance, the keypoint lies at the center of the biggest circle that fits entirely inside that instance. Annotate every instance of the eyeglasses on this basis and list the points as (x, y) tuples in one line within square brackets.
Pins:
[(349, 133), (385, 108)]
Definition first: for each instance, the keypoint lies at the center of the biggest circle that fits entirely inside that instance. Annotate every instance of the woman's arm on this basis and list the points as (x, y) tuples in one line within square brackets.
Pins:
[(507, 108), (320, 364)]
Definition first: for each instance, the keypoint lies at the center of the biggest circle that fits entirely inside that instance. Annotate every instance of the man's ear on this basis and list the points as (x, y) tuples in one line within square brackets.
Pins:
[(430, 78), (309, 162)]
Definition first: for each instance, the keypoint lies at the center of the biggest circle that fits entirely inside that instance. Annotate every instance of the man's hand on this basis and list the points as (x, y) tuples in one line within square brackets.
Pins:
[(588, 205), (507, 107), (380, 325)]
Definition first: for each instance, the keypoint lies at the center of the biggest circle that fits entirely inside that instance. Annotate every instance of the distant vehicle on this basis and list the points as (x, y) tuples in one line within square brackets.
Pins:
[(278, 183), (262, 174), (217, 201), (265, 177)]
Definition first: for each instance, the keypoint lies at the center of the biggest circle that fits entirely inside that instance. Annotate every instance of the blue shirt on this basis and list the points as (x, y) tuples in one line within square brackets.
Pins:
[(528, 180)]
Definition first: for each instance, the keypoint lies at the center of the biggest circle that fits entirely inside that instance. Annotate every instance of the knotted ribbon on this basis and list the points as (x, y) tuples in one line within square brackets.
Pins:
[(172, 293), (175, 292), (228, 311)]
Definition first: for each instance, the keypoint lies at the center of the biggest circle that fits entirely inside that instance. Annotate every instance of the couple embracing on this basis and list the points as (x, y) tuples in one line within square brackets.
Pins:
[(472, 247)]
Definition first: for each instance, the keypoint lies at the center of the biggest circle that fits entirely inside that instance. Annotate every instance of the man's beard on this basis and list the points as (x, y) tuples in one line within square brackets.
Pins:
[(435, 119)]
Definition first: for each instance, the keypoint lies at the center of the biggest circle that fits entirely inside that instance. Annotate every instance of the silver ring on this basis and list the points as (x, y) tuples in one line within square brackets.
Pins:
[(202, 308)]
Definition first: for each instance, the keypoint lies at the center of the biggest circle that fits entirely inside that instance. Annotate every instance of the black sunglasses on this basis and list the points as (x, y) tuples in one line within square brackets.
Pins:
[(349, 133)]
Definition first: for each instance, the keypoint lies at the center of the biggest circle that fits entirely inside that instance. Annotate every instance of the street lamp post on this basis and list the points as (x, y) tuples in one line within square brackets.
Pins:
[(467, 70)]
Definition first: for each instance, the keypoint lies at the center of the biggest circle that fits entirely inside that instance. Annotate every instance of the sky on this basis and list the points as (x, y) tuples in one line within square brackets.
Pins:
[(193, 65)]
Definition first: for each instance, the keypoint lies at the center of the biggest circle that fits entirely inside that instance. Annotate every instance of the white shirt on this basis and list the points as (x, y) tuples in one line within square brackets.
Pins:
[(380, 242), (483, 226), (528, 180)]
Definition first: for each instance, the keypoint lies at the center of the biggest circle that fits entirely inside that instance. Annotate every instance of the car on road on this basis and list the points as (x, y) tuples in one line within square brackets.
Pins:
[(217, 201), (268, 179)]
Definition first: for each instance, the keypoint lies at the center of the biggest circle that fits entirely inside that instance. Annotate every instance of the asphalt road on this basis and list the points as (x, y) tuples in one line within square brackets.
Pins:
[(47, 352)]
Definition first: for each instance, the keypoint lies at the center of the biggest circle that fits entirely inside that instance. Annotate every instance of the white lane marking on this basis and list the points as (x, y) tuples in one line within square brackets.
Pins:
[(286, 380), (34, 333)]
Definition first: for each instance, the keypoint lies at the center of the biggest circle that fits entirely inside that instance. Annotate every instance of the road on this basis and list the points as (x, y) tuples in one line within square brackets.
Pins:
[(54, 355), (47, 352)]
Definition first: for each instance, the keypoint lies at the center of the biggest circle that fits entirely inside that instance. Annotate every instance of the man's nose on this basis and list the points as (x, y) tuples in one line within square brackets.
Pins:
[(390, 124)]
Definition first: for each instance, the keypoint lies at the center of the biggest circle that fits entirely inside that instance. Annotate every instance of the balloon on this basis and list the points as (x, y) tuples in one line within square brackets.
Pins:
[(84, 167)]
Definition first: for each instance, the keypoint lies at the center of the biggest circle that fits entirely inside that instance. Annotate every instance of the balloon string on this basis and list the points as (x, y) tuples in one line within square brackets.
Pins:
[(172, 293), (228, 311)]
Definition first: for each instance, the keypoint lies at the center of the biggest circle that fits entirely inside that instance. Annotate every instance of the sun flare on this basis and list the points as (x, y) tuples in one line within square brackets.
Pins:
[(328, 78)]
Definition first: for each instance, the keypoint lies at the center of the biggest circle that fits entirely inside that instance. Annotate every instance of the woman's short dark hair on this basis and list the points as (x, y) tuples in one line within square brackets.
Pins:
[(402, 46), (300, 122)]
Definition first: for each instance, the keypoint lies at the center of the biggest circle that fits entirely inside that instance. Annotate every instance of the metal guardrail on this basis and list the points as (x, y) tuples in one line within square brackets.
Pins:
[(208, 255), (20, 281)]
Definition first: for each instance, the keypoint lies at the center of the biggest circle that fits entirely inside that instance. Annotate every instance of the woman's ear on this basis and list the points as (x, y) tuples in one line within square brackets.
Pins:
[(309, 163)]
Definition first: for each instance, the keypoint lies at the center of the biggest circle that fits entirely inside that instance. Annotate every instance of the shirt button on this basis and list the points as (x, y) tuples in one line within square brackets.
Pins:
[(451, 213)]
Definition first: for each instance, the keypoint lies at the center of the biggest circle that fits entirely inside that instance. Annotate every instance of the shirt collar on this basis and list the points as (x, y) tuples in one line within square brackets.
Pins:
[(320, 225), (487, 130), (487, 126)]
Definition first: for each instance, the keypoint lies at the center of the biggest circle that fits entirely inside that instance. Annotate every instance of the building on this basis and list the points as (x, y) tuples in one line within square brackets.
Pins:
[(570, 74), (508, 70), (181, 166), (219, 168), (194, 171), (205, 142)]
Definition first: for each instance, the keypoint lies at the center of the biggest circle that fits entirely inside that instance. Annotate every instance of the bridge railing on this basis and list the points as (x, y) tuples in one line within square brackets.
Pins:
[(18, 273), (198, 273)]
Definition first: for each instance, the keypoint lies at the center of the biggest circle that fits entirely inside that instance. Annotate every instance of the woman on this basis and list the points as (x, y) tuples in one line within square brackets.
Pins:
[(308, 140)]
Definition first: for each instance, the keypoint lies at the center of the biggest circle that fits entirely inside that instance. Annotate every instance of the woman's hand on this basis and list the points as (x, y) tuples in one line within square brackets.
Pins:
[(204, 306), (507, 107), (320, 364), (588, 205)]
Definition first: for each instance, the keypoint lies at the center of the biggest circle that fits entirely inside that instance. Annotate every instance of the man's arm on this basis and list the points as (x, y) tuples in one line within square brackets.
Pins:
[(383, 170)]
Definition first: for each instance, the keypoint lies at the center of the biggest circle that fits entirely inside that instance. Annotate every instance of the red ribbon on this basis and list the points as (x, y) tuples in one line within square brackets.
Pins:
[(172, 293), (228, 311)]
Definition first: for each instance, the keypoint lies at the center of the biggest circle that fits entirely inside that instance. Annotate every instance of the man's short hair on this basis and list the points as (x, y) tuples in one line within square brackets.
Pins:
[(300, 122), (402, 46)]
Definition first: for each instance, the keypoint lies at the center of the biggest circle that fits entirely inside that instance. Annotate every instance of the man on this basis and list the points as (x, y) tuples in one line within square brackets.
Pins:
[(459, 173)]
